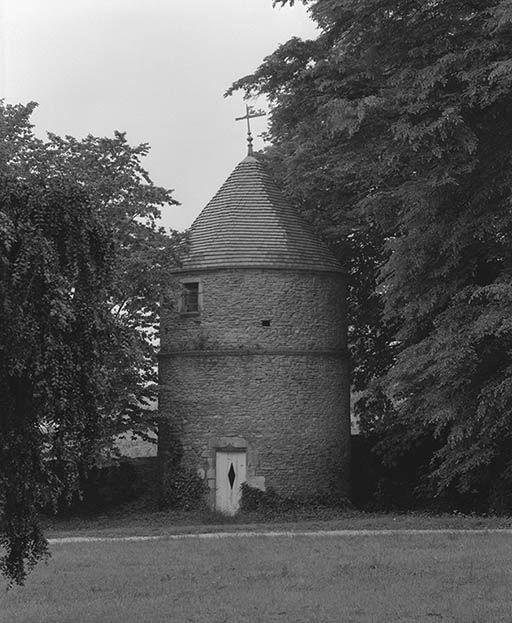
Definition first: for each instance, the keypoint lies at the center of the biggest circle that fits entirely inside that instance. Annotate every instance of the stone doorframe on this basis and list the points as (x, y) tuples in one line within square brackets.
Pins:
[(230, 444)]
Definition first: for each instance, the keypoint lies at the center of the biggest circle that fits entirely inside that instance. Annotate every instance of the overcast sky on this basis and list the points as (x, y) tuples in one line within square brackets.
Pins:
[(156, 69)]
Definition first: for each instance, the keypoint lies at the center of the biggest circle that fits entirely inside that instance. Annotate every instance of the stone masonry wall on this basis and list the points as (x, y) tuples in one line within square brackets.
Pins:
[(305, 310), (281, 390), (289, 410)]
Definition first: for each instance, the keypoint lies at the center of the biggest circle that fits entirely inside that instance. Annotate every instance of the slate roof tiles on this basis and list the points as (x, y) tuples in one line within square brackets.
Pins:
[(248, 223)]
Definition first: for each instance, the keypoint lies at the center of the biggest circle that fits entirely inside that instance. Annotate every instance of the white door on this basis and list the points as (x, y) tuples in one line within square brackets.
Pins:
[(230, 473)]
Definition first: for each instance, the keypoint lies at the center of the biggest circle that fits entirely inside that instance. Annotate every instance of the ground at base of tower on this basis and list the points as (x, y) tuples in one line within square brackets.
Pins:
[(160, 523), (404, 577)]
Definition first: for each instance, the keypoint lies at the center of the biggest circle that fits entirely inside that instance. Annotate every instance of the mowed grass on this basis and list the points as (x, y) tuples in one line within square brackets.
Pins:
[(123, 523), (394, 577)]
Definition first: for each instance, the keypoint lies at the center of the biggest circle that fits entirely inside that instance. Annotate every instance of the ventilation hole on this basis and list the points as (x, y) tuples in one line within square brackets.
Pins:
[(265, 323), (231, 476)]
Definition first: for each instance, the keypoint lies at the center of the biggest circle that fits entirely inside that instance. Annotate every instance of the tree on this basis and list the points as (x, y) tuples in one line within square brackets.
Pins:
[(397, 120), (111, 171), (54, 262), (81, 265)]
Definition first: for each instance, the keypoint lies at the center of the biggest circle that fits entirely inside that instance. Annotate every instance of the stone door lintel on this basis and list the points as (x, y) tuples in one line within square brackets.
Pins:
[(234, 444)]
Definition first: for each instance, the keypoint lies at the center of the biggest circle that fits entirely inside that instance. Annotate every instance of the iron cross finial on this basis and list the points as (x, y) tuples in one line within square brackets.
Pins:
[(250, 114)]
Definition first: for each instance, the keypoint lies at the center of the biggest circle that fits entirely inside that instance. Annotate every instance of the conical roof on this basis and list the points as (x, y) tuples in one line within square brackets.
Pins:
[(248, 223)]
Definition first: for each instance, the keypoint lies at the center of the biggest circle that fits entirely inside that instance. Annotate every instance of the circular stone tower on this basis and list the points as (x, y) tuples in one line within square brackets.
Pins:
[(253, 364)]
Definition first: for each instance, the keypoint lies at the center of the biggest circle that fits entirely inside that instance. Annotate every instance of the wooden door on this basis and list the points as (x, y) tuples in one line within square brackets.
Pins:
[(230, 473)]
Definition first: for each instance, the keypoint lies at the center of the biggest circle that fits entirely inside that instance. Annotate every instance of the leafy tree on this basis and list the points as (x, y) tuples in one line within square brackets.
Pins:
[(81, 266), (396, 119), (55, 257), (110, 170)]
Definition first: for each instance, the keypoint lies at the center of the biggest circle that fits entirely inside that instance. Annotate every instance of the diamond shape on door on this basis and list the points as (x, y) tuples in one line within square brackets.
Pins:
[(231, 475)]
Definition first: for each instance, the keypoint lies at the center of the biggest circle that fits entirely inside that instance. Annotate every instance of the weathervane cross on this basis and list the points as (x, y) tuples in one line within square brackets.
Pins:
[(250, 114)]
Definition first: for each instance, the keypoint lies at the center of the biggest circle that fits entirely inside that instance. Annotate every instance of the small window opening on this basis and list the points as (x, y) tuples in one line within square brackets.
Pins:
[(190, 297), (265, 323)]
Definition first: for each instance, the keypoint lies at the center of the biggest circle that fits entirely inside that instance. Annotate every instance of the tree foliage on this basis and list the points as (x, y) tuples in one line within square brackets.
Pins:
[(396, 120), (81, 267), (110, 170), (53, 323)]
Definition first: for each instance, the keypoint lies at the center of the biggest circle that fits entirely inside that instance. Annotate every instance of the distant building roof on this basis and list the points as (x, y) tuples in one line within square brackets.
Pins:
[(249, 223)]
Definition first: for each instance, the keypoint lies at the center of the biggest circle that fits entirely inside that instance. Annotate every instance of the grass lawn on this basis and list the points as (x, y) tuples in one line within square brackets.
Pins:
[(434, 577), (125, 522)]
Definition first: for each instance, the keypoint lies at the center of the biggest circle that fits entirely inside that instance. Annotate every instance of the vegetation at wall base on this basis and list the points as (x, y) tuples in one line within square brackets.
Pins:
[(182, 489), (270, 505), (117, 485), (179, 488)]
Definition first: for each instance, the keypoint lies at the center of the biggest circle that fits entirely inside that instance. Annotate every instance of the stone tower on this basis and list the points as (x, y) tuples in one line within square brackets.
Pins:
[(253, 363)]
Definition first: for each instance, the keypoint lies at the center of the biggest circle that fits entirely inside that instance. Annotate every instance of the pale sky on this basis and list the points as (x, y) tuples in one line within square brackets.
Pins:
[(156, 69)]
